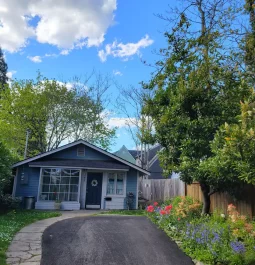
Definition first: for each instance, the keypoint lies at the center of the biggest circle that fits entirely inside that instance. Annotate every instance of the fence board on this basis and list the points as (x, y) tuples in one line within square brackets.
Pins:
[(161, 189), (220, 201)]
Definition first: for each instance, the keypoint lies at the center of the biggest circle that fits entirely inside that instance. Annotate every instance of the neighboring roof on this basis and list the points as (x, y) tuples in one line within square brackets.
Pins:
[(134, 153), (125, 154), (77, 163), (86, 144)]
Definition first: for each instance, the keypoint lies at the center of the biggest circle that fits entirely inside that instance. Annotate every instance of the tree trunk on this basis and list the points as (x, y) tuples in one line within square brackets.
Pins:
[(206, 198)]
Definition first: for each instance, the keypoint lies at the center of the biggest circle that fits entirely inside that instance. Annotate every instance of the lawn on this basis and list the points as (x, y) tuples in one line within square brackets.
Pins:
[(125, 212), (13, 221)]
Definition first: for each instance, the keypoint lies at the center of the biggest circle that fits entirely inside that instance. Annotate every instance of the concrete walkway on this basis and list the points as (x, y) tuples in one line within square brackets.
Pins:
[(26, 247)]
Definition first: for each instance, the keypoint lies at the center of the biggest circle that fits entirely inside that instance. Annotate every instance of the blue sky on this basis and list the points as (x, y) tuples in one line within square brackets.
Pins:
[(67, 38)]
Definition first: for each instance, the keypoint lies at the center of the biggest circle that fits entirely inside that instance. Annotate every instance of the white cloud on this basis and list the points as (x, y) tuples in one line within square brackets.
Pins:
[(124, 50), (35, 59), (65, 52), (63, 23), (11, 73), (117, 72), (121, 122)]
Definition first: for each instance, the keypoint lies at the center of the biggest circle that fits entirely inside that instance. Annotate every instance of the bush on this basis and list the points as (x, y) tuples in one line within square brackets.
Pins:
[(216, 239), (7, 202)]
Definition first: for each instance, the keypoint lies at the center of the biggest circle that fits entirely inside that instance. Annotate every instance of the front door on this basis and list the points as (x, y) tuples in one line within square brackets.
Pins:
[(94, 190)]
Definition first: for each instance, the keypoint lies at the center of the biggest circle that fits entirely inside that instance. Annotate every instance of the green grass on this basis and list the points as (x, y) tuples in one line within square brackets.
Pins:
[(13, 221), (125, 212)]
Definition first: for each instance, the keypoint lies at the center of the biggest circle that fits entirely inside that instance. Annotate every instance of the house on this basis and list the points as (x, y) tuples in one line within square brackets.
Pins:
[(81, 176), (156, 172)]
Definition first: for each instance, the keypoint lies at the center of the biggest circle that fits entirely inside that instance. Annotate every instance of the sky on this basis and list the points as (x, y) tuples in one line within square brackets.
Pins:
[(67, 38)]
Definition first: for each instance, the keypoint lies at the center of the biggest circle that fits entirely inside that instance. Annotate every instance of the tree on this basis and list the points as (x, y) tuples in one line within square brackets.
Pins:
[(51, 111), (3, 70), (6, 160), (234, 149), (197, 87), (249, 40), (130, 103)]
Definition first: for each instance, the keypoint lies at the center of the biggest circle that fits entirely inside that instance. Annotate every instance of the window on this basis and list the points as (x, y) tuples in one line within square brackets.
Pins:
[(59, 184), (81, 151), (115, 184)]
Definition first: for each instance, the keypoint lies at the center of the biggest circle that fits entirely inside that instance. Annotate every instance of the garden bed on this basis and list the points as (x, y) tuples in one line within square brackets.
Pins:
[(214, 239), (12, 222)]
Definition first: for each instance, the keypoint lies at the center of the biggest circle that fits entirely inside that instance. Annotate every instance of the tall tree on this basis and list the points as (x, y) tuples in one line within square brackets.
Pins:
[(130, 103), (196, 89), (51, 110), (3, 70)]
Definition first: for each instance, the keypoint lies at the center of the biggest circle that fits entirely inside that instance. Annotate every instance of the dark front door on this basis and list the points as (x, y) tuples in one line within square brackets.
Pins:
[(94, 190)]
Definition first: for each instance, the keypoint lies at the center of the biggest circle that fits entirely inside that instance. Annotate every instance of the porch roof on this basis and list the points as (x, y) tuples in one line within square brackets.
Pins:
[(77, 163)]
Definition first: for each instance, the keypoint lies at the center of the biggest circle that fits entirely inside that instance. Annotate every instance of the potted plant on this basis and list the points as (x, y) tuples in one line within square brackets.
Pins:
[(57, 202)]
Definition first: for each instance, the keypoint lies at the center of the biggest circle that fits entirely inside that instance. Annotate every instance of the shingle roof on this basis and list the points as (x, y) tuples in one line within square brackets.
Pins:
[(134, 153), (80, 163)]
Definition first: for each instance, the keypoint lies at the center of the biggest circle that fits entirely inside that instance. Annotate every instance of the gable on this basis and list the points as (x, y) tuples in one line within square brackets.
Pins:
[(71, 153), (94, 152)]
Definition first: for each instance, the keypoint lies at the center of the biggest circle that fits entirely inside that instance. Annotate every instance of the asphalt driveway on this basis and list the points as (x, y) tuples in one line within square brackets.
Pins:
[(109, 240)]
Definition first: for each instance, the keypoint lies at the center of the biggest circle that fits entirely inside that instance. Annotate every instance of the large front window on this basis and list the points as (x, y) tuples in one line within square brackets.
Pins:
[(59, 184), (115, 184)]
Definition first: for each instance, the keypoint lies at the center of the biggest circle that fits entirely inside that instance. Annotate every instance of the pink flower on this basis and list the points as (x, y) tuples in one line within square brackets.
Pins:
[(150, 209), (155, 203)]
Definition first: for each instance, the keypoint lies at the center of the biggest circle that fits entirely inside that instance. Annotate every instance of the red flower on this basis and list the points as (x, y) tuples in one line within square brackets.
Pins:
[(169, 207), (150, 209), (155, 203), (179, 219), (162, 212)]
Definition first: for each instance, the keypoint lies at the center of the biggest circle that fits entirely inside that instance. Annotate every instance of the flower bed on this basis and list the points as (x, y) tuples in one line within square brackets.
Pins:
[(215, 239)]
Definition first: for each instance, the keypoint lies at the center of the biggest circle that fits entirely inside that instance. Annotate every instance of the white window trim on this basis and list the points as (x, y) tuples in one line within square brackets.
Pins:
[(115, 183), (40, 186)]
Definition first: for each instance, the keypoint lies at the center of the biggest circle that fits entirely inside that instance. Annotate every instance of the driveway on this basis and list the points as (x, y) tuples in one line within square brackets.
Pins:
[(109, 240)]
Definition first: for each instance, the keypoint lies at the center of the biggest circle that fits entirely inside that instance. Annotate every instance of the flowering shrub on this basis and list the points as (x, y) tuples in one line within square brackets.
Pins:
[(216, 239)]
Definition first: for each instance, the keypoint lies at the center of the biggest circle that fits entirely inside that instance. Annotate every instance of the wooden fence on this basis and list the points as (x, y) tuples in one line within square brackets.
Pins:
[(161, 189), (220, 201)]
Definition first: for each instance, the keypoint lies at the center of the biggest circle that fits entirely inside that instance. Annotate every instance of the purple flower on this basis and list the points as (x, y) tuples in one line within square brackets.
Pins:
[(237, 247)]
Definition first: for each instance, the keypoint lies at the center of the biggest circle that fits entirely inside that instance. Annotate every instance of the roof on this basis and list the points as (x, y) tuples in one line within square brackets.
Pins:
[(77, 163), (86, 144), (125, 154), (134, 153)]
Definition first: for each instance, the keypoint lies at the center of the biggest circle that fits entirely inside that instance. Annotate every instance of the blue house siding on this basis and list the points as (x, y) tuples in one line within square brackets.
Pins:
[(31, 186), (131, 186), (71, 153)]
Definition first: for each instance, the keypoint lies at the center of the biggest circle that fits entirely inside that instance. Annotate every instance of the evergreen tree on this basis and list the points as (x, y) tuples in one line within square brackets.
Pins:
[(3, 70)]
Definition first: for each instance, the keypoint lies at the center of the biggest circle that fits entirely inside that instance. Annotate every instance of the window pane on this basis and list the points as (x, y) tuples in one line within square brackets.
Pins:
[(44, 197), (65, 180), (46, 180), (120, 184), (110, 184), (63, 196), (73, 188), (64, 188), (74, 180), (54, 188), (75, 173), (45, 188), (65, 172), (73, 197), (46, 172), (55, 179)]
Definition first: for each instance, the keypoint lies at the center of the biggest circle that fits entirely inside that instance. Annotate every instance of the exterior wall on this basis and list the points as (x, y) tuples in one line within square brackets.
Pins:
[(132, 186), (71, 153), (31, 187)]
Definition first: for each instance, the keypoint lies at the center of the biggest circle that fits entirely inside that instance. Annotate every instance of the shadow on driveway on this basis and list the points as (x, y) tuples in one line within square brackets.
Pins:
[(109, 240)]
